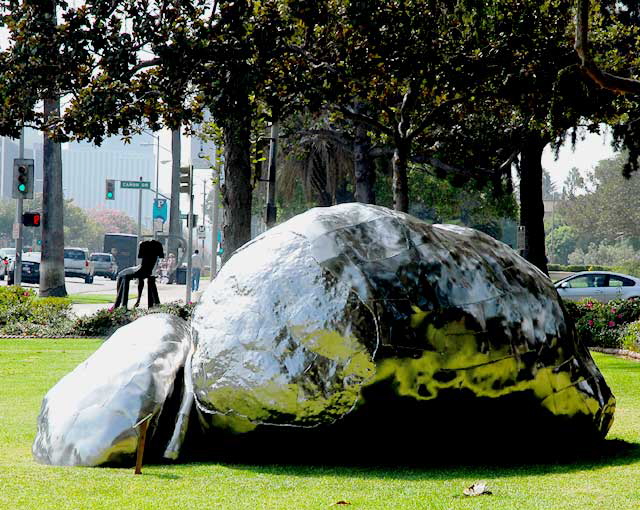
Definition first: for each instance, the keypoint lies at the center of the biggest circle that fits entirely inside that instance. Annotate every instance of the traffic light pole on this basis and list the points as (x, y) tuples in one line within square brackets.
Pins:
[(190, 245), (215, 220), (17, 266), (140, 213)]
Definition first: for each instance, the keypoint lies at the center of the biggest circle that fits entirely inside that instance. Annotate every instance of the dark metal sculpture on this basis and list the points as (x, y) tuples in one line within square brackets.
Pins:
[(357, 323), (149, 253)]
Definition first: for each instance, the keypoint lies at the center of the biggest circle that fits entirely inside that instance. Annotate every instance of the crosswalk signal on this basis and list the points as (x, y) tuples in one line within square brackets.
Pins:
[(110, 189), (22, 178), (31, 219), (186, 183)]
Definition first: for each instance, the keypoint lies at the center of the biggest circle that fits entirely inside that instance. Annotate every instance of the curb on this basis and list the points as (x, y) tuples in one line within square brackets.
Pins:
[(31, 337), (617, 352)]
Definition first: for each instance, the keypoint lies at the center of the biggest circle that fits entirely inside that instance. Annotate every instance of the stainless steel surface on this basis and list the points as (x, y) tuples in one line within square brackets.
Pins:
[(339, 299), (88, 418), (354, 320)]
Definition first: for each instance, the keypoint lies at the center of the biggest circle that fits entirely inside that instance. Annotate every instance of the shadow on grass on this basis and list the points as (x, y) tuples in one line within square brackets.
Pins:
[(454, 435), (440, 465)]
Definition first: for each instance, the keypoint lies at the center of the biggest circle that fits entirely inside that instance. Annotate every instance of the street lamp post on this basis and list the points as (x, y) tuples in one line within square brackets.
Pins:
[(156, 144)]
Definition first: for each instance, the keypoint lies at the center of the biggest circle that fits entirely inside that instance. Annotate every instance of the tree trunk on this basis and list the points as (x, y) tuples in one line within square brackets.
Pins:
[(174, 211), (531, 204), (400, 182), (52, 259), (363, 166), (236, 191)]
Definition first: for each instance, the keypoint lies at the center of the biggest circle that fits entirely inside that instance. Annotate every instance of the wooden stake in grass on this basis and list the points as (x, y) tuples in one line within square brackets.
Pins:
[(144, 425)]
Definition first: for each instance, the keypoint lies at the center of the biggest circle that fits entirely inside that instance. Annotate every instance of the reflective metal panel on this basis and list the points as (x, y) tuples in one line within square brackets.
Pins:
[(87, 418), (305, 317)]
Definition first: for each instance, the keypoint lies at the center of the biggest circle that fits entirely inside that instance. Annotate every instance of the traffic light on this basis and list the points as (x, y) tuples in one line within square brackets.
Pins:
[(22, 178), (186, 184), (31, 219), (110, 189)]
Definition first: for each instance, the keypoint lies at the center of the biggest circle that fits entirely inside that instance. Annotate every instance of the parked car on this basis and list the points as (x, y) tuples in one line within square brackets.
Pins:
[(598, 285), (6, 257), (77, 263), (104, 264), (30, 268)]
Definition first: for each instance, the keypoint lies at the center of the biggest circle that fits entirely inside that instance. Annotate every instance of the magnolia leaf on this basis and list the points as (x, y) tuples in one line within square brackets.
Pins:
[(477, 489)]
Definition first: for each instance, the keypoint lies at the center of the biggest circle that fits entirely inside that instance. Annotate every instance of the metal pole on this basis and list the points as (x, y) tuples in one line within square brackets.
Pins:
[(175, 223), (140, 212), (153, 220), (190, 227), (216, 220), (17, 266), (204, 208), (272, 211)]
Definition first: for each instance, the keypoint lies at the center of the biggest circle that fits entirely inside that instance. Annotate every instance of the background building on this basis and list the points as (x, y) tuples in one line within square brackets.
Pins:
[(86, 167)]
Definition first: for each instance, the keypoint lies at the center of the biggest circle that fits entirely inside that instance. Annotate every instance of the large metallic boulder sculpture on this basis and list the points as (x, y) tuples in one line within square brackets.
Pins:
[(356, 306), (88, 418), (345, 325)]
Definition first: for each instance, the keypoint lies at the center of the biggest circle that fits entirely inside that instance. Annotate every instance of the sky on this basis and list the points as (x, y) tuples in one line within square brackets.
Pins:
[(587, 154)]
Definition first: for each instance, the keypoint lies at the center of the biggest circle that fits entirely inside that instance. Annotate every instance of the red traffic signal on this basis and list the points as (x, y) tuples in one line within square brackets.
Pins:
[(31, 219)]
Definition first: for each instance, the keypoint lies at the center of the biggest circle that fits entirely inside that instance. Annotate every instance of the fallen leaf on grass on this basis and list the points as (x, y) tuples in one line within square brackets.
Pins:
[(477, 489), (341, 502)]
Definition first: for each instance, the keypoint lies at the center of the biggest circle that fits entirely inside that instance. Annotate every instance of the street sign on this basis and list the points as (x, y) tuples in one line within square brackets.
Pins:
[(202, 234), (135, 184), (160, 209)]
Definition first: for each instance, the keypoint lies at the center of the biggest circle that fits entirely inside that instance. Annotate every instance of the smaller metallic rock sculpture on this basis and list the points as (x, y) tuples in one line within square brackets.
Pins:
[(149, 252), (88, 417)]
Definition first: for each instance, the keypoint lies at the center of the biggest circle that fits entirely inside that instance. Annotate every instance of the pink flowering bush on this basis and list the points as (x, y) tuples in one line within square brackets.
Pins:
[(603, 324)]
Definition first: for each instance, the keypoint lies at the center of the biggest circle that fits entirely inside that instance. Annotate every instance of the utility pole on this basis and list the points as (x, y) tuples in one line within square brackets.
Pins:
[(204, 208), (140, 212), (272, 211), (216, 220), (155, 202), (186, 186), (174, 207), (190, 227), (17, 266)]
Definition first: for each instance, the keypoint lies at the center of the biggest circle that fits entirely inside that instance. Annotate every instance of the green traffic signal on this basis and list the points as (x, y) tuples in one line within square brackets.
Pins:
[(110, 189), (22, 188)]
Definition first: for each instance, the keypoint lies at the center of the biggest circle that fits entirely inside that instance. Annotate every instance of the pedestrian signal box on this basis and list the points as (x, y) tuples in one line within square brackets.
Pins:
[(31, 219)]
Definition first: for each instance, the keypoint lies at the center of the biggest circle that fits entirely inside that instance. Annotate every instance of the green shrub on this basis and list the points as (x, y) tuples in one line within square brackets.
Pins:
[(630, 337), (631, 267), (576, 268), (105, 322), (601, 324), (23, 313)]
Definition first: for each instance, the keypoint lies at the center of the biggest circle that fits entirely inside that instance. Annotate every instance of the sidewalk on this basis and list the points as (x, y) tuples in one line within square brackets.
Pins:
[(167, 293)]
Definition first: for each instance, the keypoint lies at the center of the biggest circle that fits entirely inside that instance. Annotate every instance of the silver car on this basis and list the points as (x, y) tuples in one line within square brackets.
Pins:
[(602, 286), (104, 264)]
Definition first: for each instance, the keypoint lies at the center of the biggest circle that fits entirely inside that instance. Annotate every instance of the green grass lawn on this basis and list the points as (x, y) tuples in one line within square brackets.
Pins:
[(94, 299), (29, 367)]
